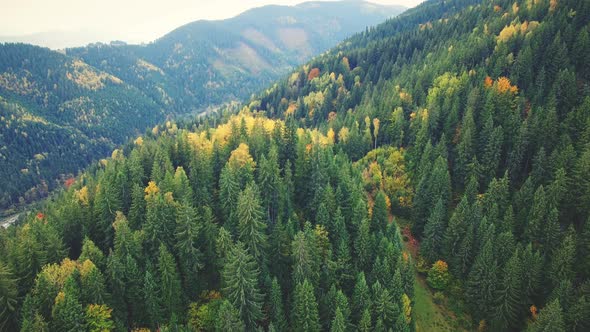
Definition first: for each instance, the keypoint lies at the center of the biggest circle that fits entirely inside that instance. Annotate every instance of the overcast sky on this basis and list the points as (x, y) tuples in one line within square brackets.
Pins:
[(134, 21)]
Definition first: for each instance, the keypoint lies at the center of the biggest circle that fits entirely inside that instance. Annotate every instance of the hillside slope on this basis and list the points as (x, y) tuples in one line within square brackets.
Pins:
[(489, 102), (207, 63), (57, 114)]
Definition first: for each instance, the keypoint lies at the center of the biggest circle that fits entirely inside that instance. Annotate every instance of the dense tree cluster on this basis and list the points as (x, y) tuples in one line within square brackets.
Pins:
[(253, 224), (469, 118), (57, 115), (490, 105)]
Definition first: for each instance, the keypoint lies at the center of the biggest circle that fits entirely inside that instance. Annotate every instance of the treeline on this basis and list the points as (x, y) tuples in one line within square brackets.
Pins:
[(253, 225)]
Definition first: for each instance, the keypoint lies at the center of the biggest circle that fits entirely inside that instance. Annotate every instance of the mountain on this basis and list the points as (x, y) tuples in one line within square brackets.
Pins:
[(58, 114), (464, 122), (60, 110), (208, 63)]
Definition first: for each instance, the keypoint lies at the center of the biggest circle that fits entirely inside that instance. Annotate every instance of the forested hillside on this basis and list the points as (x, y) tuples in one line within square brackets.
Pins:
[(209, 63), (254, 224), (59, 112), (467, 120), (490, 102)]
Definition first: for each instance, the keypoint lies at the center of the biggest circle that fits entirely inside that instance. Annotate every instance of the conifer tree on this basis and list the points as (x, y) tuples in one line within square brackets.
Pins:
[(277, 315), (482, 281), (240, 284), (380, 217), (432, 242), (169, 282), (251, 228), (361, 297), (550, 319), (338, 323), (509, 306), (305, 309), (228, 318), (8, 296)]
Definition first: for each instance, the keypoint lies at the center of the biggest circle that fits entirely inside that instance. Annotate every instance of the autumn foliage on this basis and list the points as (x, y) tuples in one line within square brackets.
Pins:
[(438, 276), (315, 72)]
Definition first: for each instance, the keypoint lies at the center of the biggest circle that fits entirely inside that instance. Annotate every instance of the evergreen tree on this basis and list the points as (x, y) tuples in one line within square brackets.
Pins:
[(277, 315), (380, 217), (364, 324), (169, 282), (361, 297), (67, 313), (550, 319), (240, 280), (188, 232), (509, 306), (228, 318), (338, 323), (482, 281), (8, 297), (305, 309), (251, 228), (431, 246), (151, 300)]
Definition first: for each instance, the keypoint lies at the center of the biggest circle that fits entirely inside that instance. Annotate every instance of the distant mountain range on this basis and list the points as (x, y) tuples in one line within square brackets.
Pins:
[(60, 110)]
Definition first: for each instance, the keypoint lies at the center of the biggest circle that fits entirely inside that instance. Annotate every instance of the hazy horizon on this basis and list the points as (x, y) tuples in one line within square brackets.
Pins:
[(68, 23)]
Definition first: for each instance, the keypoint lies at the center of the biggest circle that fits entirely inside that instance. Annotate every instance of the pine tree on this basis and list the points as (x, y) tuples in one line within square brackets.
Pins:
[(228, 318), (362, 246), (338, 323), (305, 309), (432, 241), (169, 282), (305, 261), (67, 313), (455, 234), (8, 297), (270, 183), (380, 217), (240, 284), (137, 210), (91, 252), (151, 300), (93, 283), (561, 266), (509, 306), (364, 324), (481, 283), (251, 228), (188, 231), (550, 319), (384, 307), (277, 315), (361, 297)]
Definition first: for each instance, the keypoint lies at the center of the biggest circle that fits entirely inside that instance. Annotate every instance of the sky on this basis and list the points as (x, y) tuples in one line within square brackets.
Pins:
[(78, 22)]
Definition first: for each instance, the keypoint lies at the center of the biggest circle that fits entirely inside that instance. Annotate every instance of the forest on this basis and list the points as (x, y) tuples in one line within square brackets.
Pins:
[(460, 129)]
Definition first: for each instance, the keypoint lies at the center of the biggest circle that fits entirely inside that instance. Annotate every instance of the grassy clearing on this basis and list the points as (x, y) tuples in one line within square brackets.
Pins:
[(429, 316)]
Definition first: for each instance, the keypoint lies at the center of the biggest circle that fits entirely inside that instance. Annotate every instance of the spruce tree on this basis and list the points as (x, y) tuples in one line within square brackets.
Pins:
[(305, 309), (482, 281), (380, 217), (509, 301), (240, 284), (277, 315), (550, 319), (431, 246), (251, 228), (169, 282), (228, 318)]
